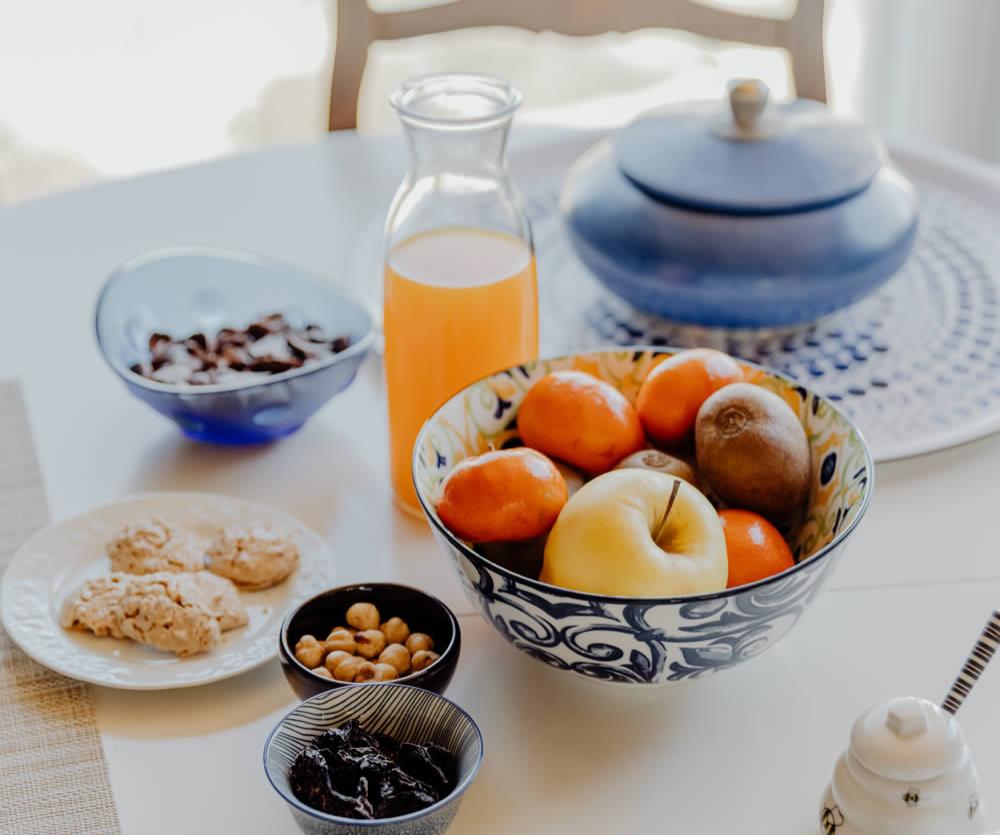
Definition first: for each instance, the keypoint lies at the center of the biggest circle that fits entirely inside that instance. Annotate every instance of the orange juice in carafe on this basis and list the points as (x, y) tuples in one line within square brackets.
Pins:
[(460, 303), (460, 293)]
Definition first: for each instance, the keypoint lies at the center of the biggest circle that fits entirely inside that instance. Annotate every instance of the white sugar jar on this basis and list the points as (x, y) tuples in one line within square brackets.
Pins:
[(907, 771)]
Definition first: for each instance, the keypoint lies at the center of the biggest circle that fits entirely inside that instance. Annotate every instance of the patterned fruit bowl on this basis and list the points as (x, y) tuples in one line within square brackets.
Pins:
[(642, 640)]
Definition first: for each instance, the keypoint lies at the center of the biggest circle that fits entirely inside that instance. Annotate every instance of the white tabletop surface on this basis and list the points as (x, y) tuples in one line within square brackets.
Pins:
[(747, 751)]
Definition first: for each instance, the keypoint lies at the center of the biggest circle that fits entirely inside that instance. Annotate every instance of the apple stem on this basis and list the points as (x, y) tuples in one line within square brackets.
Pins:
[(670, 503)]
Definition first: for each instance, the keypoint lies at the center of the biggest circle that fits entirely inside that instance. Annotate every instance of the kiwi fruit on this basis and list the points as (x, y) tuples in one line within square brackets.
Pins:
[(753, 452), (653, 459)]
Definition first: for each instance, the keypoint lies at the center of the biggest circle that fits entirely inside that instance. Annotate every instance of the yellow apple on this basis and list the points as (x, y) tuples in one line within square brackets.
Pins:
[(637, 533)]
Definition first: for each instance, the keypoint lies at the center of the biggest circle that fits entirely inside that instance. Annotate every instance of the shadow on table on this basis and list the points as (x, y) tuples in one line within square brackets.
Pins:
[(299, 474), (567, 734), (574, 742), (195, 711), (932, 464)]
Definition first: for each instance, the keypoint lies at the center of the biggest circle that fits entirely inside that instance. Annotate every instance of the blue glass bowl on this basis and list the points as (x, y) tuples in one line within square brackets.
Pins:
[(185, 290)]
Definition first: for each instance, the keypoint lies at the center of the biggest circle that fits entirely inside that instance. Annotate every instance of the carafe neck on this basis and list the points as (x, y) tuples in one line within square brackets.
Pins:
[(470, 151)]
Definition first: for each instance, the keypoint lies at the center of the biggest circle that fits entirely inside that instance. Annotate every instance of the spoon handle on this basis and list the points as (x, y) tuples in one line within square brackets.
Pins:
[(974, 665)]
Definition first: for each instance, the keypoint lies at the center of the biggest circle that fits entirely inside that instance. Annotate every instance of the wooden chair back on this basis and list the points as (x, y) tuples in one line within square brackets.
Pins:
[(801, 35)]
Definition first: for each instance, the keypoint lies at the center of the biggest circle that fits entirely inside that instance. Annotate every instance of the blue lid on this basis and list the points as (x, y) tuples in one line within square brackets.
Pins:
[(756, 159)]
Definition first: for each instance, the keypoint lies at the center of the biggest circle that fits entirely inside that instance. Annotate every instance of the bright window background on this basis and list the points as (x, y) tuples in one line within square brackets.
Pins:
[(110, 88), (117, 87)]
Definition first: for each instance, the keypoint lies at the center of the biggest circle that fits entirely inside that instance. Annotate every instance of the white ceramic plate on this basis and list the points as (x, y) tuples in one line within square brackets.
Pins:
[(54, 562)]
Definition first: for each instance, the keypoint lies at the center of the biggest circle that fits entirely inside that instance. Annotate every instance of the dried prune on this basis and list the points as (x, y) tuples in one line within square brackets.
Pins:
[(350, 772), (417, 761), (310, 781)]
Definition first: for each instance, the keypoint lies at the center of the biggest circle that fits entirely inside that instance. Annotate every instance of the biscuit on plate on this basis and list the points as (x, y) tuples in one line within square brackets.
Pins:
[(95, 607), (154, 545), (253, 556), (223, 598), (171, 613)]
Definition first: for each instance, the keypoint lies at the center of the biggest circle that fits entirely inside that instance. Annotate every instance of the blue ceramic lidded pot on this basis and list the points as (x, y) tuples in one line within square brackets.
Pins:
[(761, 216)]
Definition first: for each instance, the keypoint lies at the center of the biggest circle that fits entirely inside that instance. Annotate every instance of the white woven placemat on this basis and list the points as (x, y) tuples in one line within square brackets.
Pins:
[(53, 775)]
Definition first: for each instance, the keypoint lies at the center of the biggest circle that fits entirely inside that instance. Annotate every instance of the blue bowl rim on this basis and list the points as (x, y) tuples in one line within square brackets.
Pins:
[(121, 272), (456, 632), (452, 796), (546, 588)]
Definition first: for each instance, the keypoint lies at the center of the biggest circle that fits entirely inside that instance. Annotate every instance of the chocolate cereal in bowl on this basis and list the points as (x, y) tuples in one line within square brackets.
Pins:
[(369, 633), (641, 517)]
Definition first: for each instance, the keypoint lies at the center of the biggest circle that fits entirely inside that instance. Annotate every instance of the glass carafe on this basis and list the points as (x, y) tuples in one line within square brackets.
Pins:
[(460, 290)]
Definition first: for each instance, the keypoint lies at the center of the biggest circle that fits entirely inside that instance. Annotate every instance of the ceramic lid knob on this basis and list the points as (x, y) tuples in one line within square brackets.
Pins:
[(747, 99), (906, 718), (908, 739)]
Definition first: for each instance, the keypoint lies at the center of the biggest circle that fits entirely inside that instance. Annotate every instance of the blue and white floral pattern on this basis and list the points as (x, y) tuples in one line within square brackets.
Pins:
[(643, 642), (637, 640)]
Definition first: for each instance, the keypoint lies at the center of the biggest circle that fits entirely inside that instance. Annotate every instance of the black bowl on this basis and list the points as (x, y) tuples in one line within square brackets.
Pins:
[(421, 611)]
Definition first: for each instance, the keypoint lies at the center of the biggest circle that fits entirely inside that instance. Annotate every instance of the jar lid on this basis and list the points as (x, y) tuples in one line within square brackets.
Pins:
[(753, 159), (908, 739)]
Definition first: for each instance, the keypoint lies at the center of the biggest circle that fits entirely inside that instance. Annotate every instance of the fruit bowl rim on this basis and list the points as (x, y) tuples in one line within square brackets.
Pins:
[(546, 588)]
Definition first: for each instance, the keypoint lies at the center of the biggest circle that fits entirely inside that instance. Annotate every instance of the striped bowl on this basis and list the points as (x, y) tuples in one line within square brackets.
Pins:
[(406, 713)]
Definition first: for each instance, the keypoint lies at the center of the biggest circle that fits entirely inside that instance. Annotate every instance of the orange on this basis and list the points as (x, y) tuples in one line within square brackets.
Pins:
[(756, 550), (573, 416), (502, 496), (674, 390)]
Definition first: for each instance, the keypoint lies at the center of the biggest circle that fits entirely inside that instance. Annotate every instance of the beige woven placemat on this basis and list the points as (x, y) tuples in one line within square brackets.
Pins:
[(53, 775)]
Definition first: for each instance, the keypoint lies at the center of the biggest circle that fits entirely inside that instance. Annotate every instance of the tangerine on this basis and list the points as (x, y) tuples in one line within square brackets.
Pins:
[(579, 419), (755, 548), (673, 391), (502, 496)]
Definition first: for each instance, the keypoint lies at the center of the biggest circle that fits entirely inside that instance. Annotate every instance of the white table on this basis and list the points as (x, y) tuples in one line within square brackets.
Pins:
[(747, 751)]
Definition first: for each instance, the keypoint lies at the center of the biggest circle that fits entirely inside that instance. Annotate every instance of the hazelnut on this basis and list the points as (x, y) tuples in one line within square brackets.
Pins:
[(340, 639), (363, 616), (348, 668), (422, 659), (335, 657), (370, 643), (323, 671), (384, 672), (396, 656), (309, 651), (395, 630), (366, 672), (418, 641), (306, 641)]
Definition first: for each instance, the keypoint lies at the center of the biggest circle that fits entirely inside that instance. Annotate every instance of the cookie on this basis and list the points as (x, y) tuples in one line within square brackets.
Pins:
[(154, 545), (253, 556), (95, 607), (223, 597), (169, 612)]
